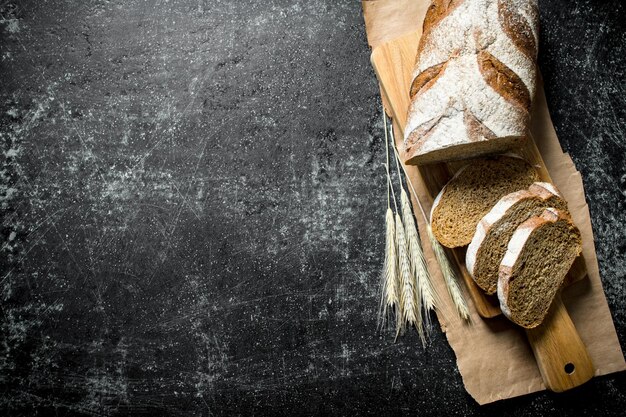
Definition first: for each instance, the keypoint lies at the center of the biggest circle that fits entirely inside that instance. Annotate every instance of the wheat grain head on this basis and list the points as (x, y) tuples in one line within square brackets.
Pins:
[(449, 276), (411, 314), (389, 300), (425, 290)]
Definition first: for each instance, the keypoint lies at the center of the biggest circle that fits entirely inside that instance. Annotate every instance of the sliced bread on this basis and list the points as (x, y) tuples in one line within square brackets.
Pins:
[(537, 258), (494, 231), (472, 192)]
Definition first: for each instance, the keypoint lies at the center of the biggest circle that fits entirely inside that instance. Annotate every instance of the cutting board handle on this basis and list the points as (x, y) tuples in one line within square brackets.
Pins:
[(561, 355)]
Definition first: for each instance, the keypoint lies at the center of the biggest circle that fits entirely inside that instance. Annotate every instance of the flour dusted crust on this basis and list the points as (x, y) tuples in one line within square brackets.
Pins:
[(474, 79)]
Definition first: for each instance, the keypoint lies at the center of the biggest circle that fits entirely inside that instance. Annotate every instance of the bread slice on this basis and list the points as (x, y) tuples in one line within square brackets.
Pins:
[(471, 193), (494, 231), (538, 257)]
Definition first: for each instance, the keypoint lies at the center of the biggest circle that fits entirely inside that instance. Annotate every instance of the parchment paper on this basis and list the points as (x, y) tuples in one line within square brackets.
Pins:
[(493, 356)]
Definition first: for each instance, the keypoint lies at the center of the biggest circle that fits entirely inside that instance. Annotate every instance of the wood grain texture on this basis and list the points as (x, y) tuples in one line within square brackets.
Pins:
[(556, 342), (561, 355)]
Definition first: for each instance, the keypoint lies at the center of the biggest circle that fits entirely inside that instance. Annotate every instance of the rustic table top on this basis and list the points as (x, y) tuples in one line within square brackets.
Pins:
[(193, 209)]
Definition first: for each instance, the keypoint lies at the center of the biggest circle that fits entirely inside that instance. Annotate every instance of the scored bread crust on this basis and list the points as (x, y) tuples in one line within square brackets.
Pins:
[(514, 250), (541, 190), (474, 79)]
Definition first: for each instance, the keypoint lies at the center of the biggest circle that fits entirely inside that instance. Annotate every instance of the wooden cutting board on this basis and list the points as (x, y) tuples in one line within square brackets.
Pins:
[(560, 353)]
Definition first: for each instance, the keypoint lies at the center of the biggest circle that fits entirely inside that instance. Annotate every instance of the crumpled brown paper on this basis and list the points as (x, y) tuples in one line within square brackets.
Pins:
[(493, 356)]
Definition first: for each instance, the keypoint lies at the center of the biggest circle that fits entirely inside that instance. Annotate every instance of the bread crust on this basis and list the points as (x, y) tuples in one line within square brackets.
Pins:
[(539, 190), (486, 223), (474, 79), (437, 200), (514, 251), (521, 30), (544, 190)]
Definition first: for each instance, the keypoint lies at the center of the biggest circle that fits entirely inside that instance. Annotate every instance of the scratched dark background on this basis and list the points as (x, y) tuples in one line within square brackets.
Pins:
[(192, 209)]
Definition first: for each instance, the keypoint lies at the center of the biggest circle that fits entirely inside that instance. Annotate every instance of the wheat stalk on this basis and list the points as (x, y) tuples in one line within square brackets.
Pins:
[(449, 275), (428, 294), (412, 242), (408, 257), (411, 315), (390, 282), (425, 290), (389, 285), (415, 257)]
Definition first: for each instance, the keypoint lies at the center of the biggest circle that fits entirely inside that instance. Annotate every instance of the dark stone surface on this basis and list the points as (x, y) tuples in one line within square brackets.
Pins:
[(192, 209)]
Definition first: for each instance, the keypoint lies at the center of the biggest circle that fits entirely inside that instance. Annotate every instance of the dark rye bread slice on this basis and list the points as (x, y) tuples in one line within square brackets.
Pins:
[(472, 192), (494, 231), (538, 257)]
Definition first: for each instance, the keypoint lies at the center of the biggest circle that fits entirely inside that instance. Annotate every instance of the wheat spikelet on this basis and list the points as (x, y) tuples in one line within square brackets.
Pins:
[(411, 314), (389, 299), (442, 259), (390, 279), (418, 263), (449, 276), (414, 252)]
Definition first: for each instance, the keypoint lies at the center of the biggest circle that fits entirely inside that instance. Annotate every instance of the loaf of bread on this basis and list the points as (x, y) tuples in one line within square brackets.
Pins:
[(538, 256), (472, 192), (495, 229), (474, 79)]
